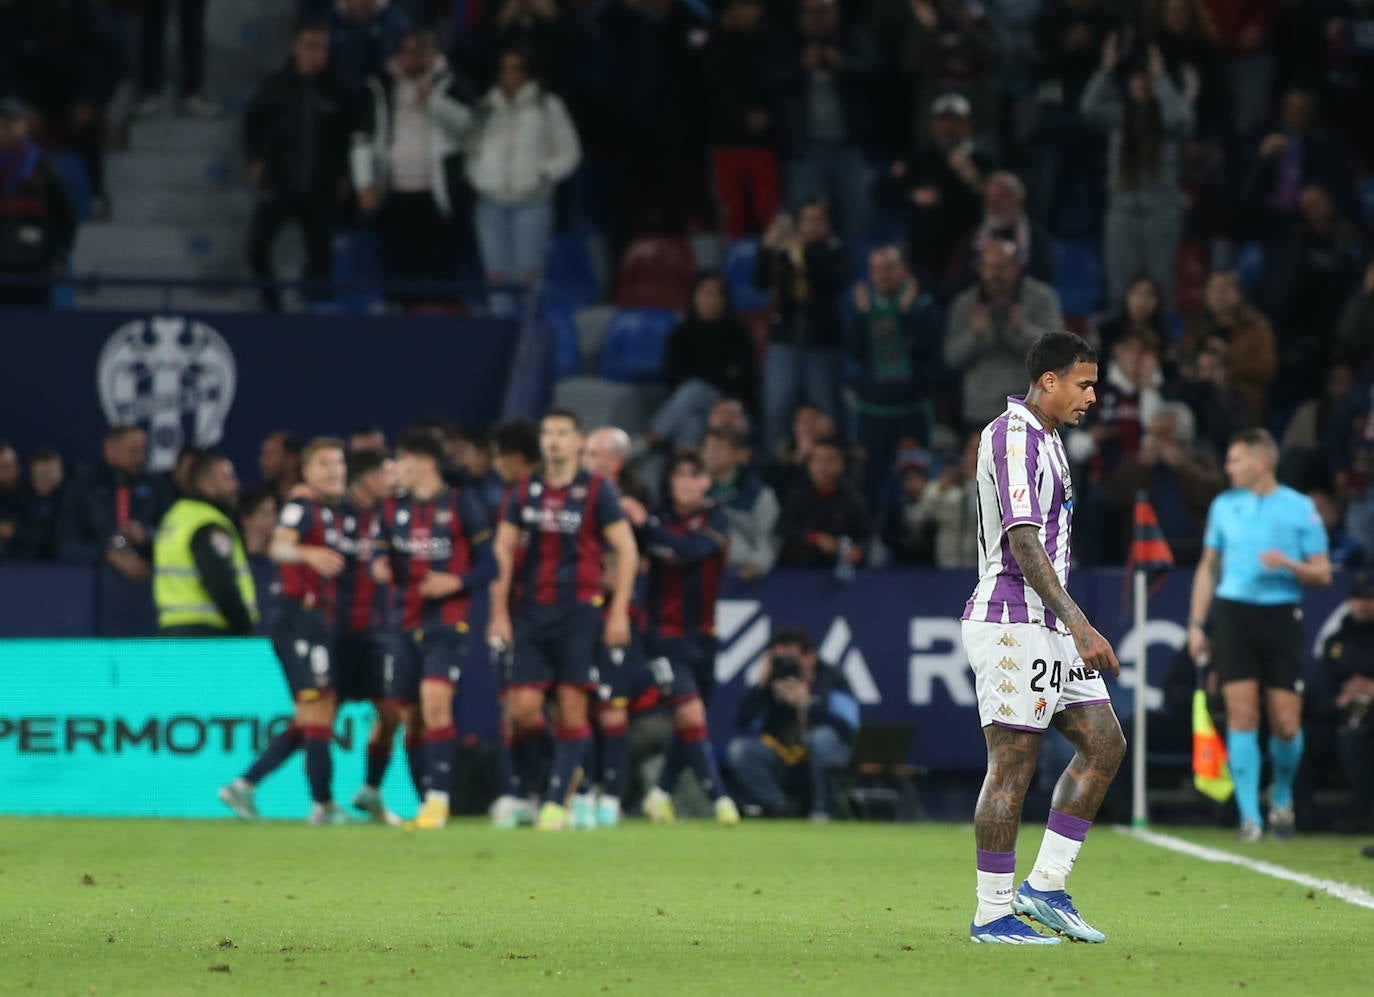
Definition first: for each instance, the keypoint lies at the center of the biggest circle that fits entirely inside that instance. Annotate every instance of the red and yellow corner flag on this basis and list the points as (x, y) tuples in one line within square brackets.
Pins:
[(1149, 550), (1211, 774)]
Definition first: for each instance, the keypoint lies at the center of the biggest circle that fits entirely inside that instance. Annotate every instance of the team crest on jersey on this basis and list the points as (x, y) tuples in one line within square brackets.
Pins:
[(1006, 688), (577, 493), (1007, 665), (403, 517), (1007, 640), (350, 523), (536, 489), (1040, 705), (443, 516)]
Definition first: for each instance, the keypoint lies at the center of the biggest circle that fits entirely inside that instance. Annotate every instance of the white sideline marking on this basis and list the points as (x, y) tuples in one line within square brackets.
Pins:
[(1341, 891)]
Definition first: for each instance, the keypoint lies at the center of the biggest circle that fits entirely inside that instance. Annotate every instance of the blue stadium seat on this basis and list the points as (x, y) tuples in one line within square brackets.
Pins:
[(73, 173), (1078, 275), (570, 271), (567, 351), (357, 264), (738, 268), (635, 341), (1249, 265)]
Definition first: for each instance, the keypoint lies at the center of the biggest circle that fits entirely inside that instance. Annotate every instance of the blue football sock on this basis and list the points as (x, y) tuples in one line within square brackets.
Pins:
[(569, 751), (319, 763), (278, 750), (439, 746), (1284, 757), (674, 761), (702, 760), (1242, 749), (615, 760), (416, 762)]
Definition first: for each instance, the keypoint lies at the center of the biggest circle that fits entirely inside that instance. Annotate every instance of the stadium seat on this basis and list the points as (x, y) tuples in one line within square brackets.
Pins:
[(656, 272), (738, 269), (74, 178), (635, 341), (359, 271), (1249, 266), (567, 351), (1078, 276), (591, 332), (570, 271), (600, 402)]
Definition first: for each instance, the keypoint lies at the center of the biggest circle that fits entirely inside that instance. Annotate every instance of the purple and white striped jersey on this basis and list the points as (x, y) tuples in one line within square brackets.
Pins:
[(1023, 477)]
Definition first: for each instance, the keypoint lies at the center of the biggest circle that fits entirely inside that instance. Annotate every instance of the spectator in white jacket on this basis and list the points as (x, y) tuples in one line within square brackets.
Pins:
[(523, 145), (405, 157)]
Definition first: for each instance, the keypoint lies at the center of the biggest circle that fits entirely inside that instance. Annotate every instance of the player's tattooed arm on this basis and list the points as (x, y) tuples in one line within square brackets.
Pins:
[(1037, 569), (1012, 756), (1035, 565)]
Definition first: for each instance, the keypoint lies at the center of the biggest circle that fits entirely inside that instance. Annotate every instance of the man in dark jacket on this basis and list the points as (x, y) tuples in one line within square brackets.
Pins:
[(363, 34), (824, 518), (819, 79), (806, 270), (296, 136), (939, 190), (37, 221), (798, 720), (746, 169), (895, 341), (35, 532), (109, 513), (11, 497)]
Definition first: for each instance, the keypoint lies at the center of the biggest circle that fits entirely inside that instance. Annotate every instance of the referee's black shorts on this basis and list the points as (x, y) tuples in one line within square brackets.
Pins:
[(1250, 641)]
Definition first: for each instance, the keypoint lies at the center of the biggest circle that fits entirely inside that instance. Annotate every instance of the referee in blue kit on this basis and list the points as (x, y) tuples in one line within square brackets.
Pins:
[(1264, 542)]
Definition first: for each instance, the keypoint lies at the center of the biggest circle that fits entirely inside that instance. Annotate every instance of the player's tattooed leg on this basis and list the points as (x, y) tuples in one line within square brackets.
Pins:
[(1099, 747), (1011, 766)]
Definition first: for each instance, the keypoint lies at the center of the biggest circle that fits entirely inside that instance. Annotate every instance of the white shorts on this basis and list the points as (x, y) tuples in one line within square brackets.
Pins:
[(1024, 674)]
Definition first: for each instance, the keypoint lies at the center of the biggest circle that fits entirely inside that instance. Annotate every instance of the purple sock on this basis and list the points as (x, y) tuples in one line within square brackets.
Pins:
[(569, 750), (278, 750), (439, 745), (319, 763)]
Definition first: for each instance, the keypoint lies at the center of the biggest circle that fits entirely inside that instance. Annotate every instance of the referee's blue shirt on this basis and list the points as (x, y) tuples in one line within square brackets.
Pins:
[(1241, 525)]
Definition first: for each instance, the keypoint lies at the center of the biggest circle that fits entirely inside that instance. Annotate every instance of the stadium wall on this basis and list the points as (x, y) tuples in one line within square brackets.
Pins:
[(131, 725)]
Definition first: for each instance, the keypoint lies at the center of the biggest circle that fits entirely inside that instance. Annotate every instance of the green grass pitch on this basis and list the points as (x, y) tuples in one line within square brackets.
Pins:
[(147, 907)]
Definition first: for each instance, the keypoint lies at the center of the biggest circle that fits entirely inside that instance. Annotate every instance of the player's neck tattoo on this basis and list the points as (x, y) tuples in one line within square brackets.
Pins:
[(1048, 421)]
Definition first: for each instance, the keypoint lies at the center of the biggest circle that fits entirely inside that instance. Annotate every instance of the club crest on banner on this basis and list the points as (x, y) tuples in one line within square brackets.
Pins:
[(172, 375)]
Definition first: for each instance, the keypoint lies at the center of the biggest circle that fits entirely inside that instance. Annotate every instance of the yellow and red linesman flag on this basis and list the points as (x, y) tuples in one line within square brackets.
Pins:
[(1149, 550), (1211, 774)]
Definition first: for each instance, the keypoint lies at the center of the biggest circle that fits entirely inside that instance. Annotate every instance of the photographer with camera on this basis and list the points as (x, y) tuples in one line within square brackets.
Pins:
[(1348, 659), (796, 722)]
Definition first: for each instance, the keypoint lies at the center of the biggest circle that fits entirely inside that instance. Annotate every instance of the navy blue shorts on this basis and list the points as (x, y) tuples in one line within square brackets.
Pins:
[(304, 646), (556, 645), (360, 666), (424, 655), (624, 672), (694, 663)]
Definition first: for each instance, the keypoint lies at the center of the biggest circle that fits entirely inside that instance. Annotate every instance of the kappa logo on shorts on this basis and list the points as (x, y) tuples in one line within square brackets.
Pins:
[(1005, 711), (1007, 687), (1040, 705), (1007, 665), (1007, 640)]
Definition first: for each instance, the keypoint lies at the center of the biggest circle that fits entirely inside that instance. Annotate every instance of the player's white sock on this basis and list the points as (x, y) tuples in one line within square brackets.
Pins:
[(996, 884), (1058, 849)]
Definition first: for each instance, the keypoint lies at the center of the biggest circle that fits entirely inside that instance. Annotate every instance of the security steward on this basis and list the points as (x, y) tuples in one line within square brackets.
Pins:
[(201, 583), (1347, 660)]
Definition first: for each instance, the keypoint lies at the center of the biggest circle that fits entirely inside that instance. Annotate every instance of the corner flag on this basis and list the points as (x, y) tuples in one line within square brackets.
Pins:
[(1149, 550)]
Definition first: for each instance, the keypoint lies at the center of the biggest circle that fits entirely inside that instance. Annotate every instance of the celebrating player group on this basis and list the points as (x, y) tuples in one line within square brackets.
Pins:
[(379, 562)]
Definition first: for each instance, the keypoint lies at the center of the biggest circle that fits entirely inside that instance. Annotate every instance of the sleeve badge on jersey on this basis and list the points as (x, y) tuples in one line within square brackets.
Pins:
[(1020, 500), (224, 546), (291, 514)]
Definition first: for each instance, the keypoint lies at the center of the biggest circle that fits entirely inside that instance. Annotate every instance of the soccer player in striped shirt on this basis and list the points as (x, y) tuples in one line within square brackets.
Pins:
[(562, 521), (1036, 659), (305, 545), (438, 545)]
